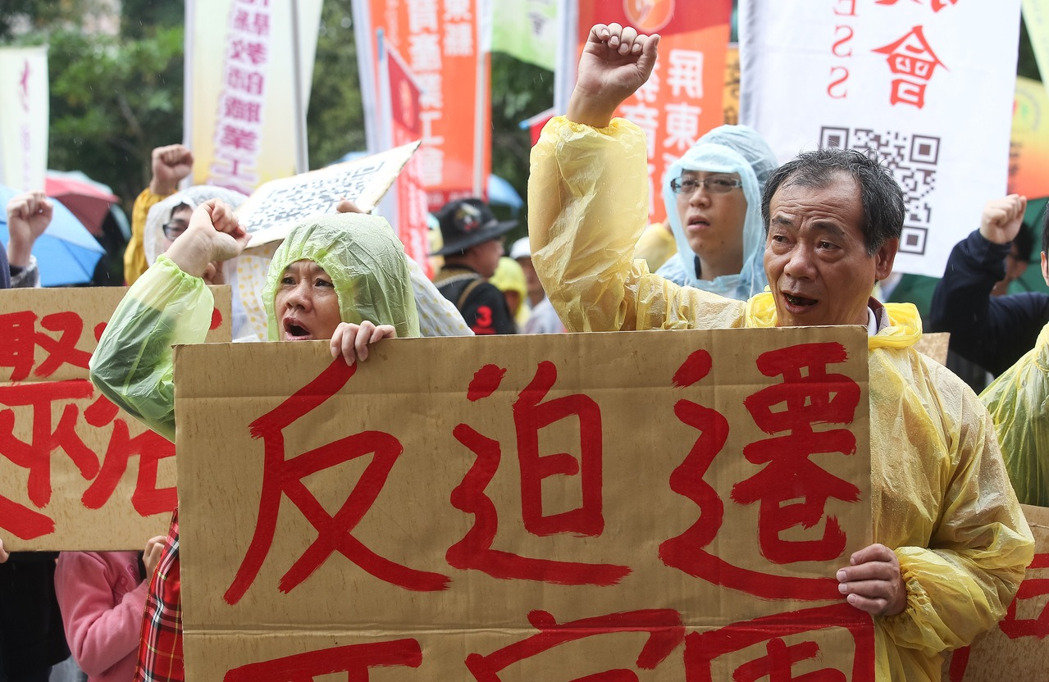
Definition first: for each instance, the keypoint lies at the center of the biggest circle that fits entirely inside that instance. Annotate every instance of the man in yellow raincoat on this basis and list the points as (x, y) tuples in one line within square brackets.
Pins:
[(951, 541)]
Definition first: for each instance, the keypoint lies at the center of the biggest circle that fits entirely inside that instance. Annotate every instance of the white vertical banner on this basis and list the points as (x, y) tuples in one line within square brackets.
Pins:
[(904, 79), (246, 101), (24, 111)]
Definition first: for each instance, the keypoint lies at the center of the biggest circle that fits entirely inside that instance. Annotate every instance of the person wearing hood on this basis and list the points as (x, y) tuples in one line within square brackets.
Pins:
[(246, 274), (951, 542), (340, 277), (712, 196)]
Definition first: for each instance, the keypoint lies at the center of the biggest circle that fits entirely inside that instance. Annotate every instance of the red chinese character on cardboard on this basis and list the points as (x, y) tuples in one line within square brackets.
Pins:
[(779, 659), (936, 5), (19, 339), (47, 437), (663, 627), (283, 476), (150, 447), (810, 396), (1030, 588), (913, 58), (531, 415), (354, 660), (789, 474)]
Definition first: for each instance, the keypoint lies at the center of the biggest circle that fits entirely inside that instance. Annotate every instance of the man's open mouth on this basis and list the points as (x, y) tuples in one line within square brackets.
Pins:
[(799, 301)]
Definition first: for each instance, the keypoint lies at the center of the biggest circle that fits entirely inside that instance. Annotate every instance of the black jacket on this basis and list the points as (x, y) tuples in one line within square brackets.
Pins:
[(481, 303), (993, 332)]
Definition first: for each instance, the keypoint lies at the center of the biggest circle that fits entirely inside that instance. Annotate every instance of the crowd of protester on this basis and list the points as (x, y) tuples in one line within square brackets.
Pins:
[(746, 243)]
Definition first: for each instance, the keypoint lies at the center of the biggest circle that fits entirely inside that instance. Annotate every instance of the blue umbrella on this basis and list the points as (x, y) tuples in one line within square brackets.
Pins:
[(66, 252)]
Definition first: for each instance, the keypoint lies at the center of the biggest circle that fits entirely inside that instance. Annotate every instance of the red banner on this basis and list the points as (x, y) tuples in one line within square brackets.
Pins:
[(440, 40), (404, 101)]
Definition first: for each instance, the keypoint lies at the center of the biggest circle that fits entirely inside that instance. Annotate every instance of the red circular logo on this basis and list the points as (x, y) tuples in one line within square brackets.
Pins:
[(648, 16)]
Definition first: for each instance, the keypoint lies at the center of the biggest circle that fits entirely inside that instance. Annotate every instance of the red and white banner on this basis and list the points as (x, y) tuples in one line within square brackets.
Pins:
[(905, 79), (401, 97), (682, 99), (23, 117), (441, 42)]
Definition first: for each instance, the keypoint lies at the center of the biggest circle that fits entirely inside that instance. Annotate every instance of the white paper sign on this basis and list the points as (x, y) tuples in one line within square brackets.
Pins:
[(926, 84)]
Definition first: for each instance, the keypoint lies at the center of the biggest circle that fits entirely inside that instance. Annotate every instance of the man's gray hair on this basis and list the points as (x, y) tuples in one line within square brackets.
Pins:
[(880, 195)]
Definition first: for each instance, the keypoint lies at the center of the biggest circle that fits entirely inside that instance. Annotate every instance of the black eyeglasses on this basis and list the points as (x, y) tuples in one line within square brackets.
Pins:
[(173, 229), (717, 184)]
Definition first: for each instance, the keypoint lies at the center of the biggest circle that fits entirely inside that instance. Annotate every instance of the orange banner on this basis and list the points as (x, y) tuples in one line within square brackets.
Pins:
[(683, 98), (440, 42), (1029, 143)]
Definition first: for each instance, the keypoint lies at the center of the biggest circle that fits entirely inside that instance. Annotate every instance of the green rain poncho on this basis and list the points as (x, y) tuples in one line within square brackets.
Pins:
[(940, 495), (132, 365), (1017, 401)]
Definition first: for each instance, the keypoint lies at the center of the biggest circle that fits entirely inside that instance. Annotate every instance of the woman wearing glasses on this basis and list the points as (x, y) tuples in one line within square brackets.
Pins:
[(713, 202)]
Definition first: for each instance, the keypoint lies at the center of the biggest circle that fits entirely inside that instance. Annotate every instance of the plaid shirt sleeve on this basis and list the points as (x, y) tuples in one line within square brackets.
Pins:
[(160, 651)]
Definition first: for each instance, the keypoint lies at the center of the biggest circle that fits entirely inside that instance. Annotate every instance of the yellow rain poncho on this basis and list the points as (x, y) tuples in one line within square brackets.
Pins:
[(509, 276), (941, 498), (132, 365), (1017, 401)]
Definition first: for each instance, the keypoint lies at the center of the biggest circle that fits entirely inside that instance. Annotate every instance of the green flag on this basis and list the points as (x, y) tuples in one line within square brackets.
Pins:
[(526, 29)]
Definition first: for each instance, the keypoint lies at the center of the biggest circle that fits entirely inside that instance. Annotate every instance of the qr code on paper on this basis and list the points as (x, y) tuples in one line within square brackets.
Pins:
[(912, 159)]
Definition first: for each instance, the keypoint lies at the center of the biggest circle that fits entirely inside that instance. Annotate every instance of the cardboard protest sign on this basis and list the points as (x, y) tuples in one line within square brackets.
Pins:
[(935, 346), (76, 472), (643, 502), (274, 208), (1018, 646)]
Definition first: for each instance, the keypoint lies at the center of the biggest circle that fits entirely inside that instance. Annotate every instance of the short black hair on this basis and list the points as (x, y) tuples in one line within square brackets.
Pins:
[(880, 195), (1024, 242), (179, 207)]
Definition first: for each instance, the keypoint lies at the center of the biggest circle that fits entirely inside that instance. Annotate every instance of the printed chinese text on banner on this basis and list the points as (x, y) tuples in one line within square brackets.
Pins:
[(402, 104), (508, 518), (244, 100), (1029, 152), (527, 30), (901, 79), (441, 44), (23, 117), (683, 98), (76, 472)]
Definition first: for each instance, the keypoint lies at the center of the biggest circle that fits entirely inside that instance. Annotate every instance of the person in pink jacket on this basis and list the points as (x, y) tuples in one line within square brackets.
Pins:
[(102, 596)]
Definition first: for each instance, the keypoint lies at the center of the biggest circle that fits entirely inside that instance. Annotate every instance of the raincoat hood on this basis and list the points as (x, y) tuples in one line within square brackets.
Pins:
[(160, 212), (725, 149), (904, 329), (366, 264)]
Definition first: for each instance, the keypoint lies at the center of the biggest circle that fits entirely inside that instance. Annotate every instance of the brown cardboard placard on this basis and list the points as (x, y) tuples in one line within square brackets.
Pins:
[(456, 539), (76, 472), (1018, 648), (934, 345)]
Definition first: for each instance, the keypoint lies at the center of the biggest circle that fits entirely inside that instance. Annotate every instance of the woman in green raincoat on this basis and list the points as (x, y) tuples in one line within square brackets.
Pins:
[(341, 277)]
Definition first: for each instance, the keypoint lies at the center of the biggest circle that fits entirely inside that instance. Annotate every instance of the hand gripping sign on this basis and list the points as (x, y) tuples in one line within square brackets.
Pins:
[(76, 472), (648, 505)]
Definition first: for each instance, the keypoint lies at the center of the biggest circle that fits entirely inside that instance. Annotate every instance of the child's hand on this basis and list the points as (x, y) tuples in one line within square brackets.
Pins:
[(3, 552), (151, 557)]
